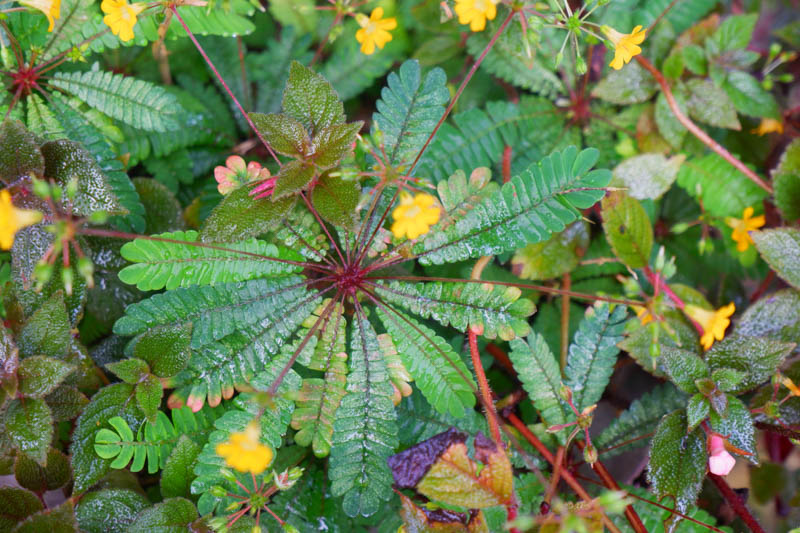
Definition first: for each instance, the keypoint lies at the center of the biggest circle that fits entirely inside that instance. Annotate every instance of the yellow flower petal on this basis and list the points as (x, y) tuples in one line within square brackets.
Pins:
[(713, 323), (374, 30), (244, 451), (121, 17), (415, 215), (476, 13), (625, 45), (742, 228), (769, 125), (13, 219)]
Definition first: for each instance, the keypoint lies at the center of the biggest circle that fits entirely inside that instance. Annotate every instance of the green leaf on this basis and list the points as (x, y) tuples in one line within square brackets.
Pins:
[(780, 247), (733, 34), (286, 135), (54, 475), (108, 402), (703, 177), (418, 421), (630, 85), (68, 160), (317, 402), (639, 420), (239, 216), (47, 331), (215, 311), (757, 357), (694, 57), (593, 353), (66, 403), (172, 171), (647, 176), (408, 110), (334, 142), (40, 375), (539, 372), (148, 396), (310, 99), (40, 118), (494, 310), (627, 228), (137, 103), (710, 104), (16, 505), (727, 378), (161, 264), (528, 209), (684, 368), (59, 519), (437, 369), (749, 97), (130, 370), (300, 14), (336, 199), (553, 257), (737, 426), (178, 473), (668, 125), (786, 181), (365, 432), (697, 410), (20, 155), (293, 177), (29, 425), (677, 461), (167, 350), (109, 510), (775, 316), (170, 516), (163, 212)]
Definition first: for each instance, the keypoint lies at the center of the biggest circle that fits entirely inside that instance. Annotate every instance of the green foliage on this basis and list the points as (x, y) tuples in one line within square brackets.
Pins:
[(787, 182), (780, 248), (95, 508), (628, 229), (528, 209)]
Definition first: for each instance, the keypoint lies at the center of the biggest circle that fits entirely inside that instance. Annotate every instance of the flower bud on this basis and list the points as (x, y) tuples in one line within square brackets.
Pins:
[(43, 271), (289, 528), (218, 491), (590, 454), (720, 462), (580, 65), (86, 270), (227, 475), (41, 188), (67, 278)]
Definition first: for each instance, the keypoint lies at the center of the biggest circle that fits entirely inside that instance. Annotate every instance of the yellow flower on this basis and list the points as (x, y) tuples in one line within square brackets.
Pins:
[(121, 17), (414, 216), (789, 384), (374, 30), (50, 8), (625, 45), (13, 219), (476, 12), (643, 314), (742, 228), (768, 125), (714, 323), (244, 452)]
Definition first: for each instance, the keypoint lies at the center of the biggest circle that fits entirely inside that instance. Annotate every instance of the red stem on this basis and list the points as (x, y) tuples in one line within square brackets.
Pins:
[(483, 384), (225, 85), (738, 505)]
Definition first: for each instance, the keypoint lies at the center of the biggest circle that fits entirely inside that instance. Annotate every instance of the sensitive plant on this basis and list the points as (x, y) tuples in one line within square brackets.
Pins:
[(305, 281)]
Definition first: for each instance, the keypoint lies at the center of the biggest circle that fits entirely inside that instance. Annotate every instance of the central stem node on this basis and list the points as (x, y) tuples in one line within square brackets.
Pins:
[(349, 278)]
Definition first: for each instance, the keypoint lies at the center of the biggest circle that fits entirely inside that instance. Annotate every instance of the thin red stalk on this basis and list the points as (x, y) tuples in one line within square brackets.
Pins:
[(123, 235), (461, 87), (13, 101), (238, 515), (541, 288), (65, 52), (278, 380), (365, 248), (738, 505), (696, 131), (556, 477), (780, 430), (367, 220), (319, 254), (566, 474), (483, 384), (625, 443), (276, 517), (225, 85), (507, 164), (324, 227)]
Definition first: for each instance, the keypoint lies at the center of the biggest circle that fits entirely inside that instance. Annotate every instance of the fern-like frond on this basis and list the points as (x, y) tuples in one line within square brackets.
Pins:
[(214, 311), (528, 209), (437, 369), (459, 195), (159, 264), (365, 431), (639, 420), (496, 310), (137, 103), (155, 440), (270, 69), (593, 353), (409, 109), (419, 421), (351, 72), (477, 138), (539, 372)]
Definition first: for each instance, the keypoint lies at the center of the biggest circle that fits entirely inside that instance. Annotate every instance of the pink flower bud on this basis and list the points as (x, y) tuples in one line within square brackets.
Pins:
[(720, 462)]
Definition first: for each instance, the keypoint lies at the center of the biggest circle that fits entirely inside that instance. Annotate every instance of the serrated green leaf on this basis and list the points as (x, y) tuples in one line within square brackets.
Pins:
[(336, 200), (409, 109), (59, 519), (138, 103), (630, 428), (528, 209), (780, 247), (171, 515), (593, 353), (47, 331), (733, 34), (627, 228), (668, 125), (748, 96), (737, 427), (775, 316), (365, 432), (148, 396), (677, 461), (166, 349), (757, 357), (55, 474), (710, 104), (437, 369), (630, 85), (697, 410), (29, 425), (333, 143), (66, 403), (540, 375), (109, 510), (647, 176), (684, 368), (40, 375), (177, 476), (310, 99), (285, 134), (727, 378), (17, 504), (240, 216), (554, 257), (293, 177), (20, 155), (161, 264), (494, 310)]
